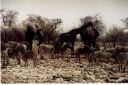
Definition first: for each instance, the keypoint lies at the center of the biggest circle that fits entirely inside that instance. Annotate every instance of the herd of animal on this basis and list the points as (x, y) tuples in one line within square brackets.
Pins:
[(28, 49)]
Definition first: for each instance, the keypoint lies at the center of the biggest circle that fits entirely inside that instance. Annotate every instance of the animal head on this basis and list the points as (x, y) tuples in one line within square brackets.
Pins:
[(87, 25)]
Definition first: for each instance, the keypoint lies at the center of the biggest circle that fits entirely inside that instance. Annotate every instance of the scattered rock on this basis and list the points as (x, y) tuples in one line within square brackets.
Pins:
[(122, 80), (60, 71)]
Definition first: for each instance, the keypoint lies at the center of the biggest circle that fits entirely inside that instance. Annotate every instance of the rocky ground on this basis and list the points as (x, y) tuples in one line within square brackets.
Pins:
[(61, 71)]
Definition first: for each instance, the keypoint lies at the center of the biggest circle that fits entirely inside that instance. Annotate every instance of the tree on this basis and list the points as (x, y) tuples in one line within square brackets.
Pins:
[(9, 17), (1, 11), (96, 20), (115, 35), (125, 21)]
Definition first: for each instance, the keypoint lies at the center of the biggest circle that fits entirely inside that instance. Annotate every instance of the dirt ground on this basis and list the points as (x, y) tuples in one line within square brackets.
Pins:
[(62, 71)]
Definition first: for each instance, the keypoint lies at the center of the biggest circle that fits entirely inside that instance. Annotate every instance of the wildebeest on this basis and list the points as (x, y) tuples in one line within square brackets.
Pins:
[(87, 52), (22, 33), (58, 49), (43, 49), (107, 55), (104, 56), (12, 50), (64, 47), (122, 60), (84, 50)]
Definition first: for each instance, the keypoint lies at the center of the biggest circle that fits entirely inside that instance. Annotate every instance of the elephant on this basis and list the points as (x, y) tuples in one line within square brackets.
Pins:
[(22, 33), (89, 36), (70, 37)]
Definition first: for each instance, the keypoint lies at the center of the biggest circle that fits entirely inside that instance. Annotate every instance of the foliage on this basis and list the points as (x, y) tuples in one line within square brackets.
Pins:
[(125, 21), (9, 17), (116, 34)]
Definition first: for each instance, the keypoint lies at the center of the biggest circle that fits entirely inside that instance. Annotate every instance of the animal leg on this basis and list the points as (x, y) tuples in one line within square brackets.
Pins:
[(26, 62), (18, 60), (90, 59), (35, 61), (52, 54), (78, 57), (93, 43), (7, 61)]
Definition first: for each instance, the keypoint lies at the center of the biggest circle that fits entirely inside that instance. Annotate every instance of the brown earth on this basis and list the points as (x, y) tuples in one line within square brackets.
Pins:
[(62, 71)]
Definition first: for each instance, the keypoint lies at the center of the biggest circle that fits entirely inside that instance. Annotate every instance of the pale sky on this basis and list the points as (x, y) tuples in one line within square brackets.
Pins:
[(70, 11)]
